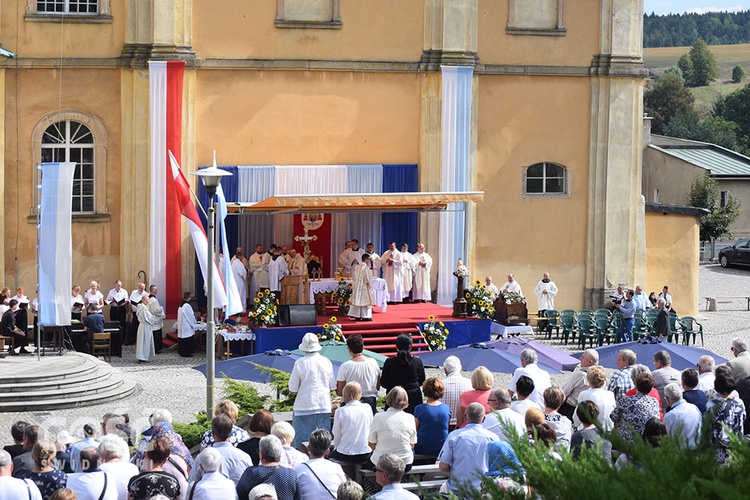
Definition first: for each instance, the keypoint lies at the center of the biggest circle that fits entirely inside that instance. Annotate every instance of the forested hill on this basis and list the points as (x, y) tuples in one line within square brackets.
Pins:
[(681, 30)]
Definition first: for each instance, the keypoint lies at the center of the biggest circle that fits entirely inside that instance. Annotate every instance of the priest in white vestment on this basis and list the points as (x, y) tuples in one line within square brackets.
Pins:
[(186, 324), (422, 291), (374, 262), (408, 267), (352, 257), (240, 277), (545, 291), (491, 287), (361, 306), (512, 286), (296, 263), (276, 270), (392, 262), (157, 311), (144, 341), (258, 267)]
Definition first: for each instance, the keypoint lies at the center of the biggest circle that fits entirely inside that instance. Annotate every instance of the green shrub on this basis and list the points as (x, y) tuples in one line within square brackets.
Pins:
[(192, 433), (244, 395)]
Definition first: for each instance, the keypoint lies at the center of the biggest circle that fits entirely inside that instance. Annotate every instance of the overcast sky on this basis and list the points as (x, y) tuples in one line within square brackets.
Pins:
[(699, 6)]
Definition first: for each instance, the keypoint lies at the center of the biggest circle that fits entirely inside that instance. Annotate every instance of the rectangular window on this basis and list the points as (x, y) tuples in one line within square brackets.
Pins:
[(67, 6), (308, 14), (723, 198), (536, 17)]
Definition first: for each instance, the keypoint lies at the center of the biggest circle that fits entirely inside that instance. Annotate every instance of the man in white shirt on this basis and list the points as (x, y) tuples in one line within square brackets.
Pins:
[(14, 488), (530, 368), (92, 483), (455, 385), (257, 264), (318, 477), (706, 365), (391, 262), (502, 417), (117, 299), (186, 324), (664, 294), (524, 389), (576, 382), (684, 419), (641, 299), (407, 270), (511, 286), (239, 271), (374, 260), (213, 483), (234, 461)]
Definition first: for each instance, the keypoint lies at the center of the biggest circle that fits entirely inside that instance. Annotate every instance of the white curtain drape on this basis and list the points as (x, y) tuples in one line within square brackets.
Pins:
[(455, 137), (255, 184), (366, 227)]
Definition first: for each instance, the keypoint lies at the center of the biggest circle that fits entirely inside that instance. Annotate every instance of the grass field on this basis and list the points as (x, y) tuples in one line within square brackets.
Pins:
[(727, 57)]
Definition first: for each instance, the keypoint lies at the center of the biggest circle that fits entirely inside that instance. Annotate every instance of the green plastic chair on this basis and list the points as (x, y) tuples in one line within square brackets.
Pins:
[(569, 326), (568, 311), (585, 312), (553, 323), (604, 311), (690, 327), (587, 331), (641, 327), (675, 329)]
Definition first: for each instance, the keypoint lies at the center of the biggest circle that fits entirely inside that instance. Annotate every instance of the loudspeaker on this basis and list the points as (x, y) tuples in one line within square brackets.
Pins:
[(298, 315)]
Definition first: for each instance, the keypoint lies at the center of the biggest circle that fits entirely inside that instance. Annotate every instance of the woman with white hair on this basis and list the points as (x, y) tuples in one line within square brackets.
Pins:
[(213, 484), (115, 453), (351, 426), (289, 457), (394, 431), (263, 492)]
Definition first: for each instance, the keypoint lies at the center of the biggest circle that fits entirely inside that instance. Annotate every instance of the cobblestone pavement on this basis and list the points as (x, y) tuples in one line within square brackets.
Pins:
[(170, 382)]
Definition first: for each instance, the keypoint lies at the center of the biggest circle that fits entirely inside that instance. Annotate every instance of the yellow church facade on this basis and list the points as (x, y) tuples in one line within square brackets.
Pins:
[(553, 136)]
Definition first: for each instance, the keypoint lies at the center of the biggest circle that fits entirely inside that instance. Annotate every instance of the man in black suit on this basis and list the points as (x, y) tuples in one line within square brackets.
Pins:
[(8, 328), (662, 328)]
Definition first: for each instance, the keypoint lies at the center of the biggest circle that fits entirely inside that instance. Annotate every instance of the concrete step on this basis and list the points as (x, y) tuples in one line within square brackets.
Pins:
[(71, 380)]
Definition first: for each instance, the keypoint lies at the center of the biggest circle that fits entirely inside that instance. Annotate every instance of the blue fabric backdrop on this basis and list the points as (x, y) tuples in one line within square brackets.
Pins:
[(399, 227)]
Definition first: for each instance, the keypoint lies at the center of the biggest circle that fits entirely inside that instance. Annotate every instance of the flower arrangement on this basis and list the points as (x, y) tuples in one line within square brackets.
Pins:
[(461, 270), (332, 331), (479, 301), (342, 294), (434, 333), (264, 309), (512, 297)]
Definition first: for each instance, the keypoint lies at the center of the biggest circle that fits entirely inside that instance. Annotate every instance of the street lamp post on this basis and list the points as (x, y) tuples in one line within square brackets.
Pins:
[(211, 178)]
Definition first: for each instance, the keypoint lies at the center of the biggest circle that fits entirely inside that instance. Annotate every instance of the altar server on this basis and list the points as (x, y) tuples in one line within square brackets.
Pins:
[(240, 276), (276, 271), (144, 342), (361, 306), (186, 324)]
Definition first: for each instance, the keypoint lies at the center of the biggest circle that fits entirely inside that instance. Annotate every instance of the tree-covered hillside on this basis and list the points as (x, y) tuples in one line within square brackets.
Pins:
[(681, 30)]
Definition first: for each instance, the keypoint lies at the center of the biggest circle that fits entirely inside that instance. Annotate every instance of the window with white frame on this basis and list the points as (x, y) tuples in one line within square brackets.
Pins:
[(67, 6), (308, 14), (545, 179), (71, 141)]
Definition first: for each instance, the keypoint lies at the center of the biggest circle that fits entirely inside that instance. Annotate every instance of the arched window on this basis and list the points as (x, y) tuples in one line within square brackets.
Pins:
[(73, 141), (545, 179)]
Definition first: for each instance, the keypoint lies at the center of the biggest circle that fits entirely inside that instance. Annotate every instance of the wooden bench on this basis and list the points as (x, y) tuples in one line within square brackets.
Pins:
[(5, 340), (717, 297), (420, 479)]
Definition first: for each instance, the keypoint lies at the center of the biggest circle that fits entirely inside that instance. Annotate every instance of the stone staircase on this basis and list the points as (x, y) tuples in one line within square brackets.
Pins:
[(72, 380)]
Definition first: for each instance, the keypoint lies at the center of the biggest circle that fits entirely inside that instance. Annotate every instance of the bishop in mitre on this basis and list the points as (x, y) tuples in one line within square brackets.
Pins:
[(361, 306)]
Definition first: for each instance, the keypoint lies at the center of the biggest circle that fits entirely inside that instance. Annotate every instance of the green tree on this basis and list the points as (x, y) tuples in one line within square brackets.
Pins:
[(738, 74), (736, 108), (704, 193), (667, 98), (686, 66), (705, 69), (713, 129)]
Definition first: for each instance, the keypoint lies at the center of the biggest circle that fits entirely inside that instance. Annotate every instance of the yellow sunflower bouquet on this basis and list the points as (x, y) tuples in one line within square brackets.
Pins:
[(479, 301), (332, 331), (342, 295), (434, 333), (264, 310)]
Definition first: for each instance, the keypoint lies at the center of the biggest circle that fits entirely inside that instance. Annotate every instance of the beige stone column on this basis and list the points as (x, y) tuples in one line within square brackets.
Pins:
[(8, 278), (450, 38), (616, 251)]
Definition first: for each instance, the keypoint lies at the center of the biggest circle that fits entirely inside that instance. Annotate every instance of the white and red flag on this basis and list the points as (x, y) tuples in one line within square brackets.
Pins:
[(165, 223)]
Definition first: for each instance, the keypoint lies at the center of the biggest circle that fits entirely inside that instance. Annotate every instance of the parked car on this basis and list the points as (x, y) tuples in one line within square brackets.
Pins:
[(737, 254)]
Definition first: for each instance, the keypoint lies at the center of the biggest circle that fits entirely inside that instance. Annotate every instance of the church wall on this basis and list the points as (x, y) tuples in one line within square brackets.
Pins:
[(523, 121), (34, 39), (307, 118), (740, 189), (95, 244), (575, 48), (387, 30), (671, 176), (671, 253)]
